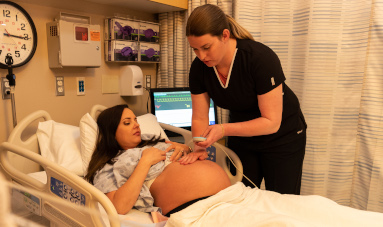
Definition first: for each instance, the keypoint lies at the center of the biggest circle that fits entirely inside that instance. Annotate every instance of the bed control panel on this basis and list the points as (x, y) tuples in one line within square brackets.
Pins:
[(66, 192), (31, 202), (211, 152)]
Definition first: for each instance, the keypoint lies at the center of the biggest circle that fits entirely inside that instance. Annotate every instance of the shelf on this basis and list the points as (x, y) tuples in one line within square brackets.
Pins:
[(149, 6), (145, 62)]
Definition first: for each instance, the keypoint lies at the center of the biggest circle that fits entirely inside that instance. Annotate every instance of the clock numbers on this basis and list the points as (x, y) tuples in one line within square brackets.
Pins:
[(18, 37), (6, 13)]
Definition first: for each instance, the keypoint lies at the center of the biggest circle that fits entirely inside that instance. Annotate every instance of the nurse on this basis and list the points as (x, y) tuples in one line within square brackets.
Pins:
[(266, 128)]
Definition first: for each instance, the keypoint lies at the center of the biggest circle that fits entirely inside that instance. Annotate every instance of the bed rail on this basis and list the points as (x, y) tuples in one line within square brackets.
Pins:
[(60, 183), (222, 153)]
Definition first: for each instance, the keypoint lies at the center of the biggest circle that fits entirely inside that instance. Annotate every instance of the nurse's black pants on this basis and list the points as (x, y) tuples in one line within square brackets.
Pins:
[(280, 166)]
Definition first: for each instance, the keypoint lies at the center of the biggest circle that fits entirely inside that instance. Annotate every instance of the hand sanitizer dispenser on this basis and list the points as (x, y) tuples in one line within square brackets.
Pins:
[(131, 81)]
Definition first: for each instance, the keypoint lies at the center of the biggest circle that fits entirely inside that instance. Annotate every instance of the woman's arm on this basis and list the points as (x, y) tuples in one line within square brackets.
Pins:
[(126, 196), (200, 116), (270, 106), (200, 121)]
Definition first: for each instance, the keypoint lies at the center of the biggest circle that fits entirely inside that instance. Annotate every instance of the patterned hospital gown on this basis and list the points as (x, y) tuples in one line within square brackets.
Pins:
[(112, 177)]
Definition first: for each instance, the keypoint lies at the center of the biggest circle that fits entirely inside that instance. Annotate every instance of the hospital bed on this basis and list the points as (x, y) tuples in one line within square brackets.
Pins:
[(23, 163)]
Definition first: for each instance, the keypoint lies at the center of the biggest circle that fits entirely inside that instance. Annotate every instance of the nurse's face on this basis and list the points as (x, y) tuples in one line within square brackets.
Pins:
[(209, 49), (128, 134)]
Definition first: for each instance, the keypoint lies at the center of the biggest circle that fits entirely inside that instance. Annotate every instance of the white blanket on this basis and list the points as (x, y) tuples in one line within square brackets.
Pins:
[(242, 206)]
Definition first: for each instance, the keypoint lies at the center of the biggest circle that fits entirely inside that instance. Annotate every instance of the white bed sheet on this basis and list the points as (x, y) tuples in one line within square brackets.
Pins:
[(242, 206)]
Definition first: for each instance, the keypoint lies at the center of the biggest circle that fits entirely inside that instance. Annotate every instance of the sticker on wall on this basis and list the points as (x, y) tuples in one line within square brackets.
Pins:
[(95, 35)]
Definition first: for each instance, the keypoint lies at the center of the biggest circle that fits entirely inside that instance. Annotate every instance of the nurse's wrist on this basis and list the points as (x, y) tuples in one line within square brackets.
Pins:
[(223, 130)]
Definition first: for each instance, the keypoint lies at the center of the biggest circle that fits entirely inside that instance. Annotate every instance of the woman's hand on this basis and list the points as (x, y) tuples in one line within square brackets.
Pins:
[(179, 150), (199, 153), (153, 155), (213, 133)]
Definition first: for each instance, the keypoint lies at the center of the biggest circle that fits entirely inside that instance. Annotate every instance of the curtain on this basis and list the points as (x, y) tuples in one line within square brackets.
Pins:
[(173, 69), (332, 58)]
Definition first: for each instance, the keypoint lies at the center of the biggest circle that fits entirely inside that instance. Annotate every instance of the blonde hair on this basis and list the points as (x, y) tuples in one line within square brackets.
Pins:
[(210, 19)]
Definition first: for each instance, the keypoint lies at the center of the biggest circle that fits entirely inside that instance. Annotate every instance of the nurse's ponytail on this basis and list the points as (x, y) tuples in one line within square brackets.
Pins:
[(210, 19), (237, 31)]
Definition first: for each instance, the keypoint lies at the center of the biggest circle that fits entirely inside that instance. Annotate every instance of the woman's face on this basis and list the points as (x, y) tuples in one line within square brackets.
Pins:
[(128, 134), (209, 49)]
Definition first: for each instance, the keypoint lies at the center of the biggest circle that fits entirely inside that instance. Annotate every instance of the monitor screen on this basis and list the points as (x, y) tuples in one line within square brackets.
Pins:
[(173, 106)]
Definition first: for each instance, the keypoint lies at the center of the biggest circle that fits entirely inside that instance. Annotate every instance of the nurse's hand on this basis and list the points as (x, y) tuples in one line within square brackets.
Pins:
[(213, 133), (198, 154)]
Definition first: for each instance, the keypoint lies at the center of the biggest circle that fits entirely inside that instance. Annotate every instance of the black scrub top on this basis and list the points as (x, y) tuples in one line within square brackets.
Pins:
[(256, 70)]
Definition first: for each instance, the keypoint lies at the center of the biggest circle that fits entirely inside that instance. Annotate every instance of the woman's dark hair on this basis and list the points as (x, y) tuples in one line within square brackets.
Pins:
[(107, 146), (210, 19)]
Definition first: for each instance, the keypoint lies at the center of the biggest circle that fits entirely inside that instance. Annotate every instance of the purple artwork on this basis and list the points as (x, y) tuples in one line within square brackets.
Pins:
[(126, 51), (149, 33), (125, 31), (149, 52)]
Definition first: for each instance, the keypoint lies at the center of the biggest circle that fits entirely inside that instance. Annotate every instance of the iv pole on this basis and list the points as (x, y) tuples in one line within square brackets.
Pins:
[(12, 82)]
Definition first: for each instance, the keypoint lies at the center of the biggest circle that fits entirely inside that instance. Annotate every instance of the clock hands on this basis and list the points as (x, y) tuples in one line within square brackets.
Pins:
[(20, 37), (15, 36)]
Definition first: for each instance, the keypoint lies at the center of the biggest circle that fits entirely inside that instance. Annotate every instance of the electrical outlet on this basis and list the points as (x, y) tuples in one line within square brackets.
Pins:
[(60, 91), (148, 82), (80, 85), (5, 88)]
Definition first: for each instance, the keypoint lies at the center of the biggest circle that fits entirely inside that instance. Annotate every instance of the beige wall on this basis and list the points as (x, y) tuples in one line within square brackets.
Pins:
[(35, 81)]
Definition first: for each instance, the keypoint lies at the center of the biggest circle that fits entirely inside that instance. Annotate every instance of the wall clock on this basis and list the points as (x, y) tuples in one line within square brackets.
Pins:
[(18, 36)]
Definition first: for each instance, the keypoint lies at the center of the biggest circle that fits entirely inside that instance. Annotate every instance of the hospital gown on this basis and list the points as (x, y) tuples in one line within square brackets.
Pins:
[(112, 177)]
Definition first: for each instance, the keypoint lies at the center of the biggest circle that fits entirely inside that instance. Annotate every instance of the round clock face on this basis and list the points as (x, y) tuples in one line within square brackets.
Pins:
[(18, 37)]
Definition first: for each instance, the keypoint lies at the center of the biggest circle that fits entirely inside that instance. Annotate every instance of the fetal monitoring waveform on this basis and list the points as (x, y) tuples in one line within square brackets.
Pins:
[(184, 99), (173, 98), (171, 102)]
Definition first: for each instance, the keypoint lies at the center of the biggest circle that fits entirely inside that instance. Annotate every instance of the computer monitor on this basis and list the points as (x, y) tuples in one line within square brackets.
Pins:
[(173, 106)]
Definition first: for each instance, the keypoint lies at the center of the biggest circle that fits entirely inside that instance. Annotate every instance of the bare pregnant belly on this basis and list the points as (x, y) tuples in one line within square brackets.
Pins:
[(179, 184)]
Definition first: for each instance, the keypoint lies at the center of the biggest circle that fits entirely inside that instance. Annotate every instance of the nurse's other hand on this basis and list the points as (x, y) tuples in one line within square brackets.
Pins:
[(193, 156)]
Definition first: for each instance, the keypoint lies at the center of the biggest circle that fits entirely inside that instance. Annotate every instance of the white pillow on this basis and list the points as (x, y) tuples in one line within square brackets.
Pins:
[(89, 129), (60, 143), (149, 125), (88, 136)]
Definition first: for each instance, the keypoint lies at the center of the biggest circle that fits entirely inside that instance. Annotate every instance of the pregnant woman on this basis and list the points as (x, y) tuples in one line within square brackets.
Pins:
[(141, 171)]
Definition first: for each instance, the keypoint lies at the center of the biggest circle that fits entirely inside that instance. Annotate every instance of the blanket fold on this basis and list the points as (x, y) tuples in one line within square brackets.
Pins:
[(243, 206)]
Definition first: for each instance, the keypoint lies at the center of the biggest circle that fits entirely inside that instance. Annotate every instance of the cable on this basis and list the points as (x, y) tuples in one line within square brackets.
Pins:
[(147, 102), (232, 162)]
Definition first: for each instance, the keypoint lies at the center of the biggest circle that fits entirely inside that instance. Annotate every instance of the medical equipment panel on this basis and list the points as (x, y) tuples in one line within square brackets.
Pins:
[(73, 41)]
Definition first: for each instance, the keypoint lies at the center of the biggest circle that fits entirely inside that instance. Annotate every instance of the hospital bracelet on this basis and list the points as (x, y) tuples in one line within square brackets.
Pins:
[(223, 131)]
